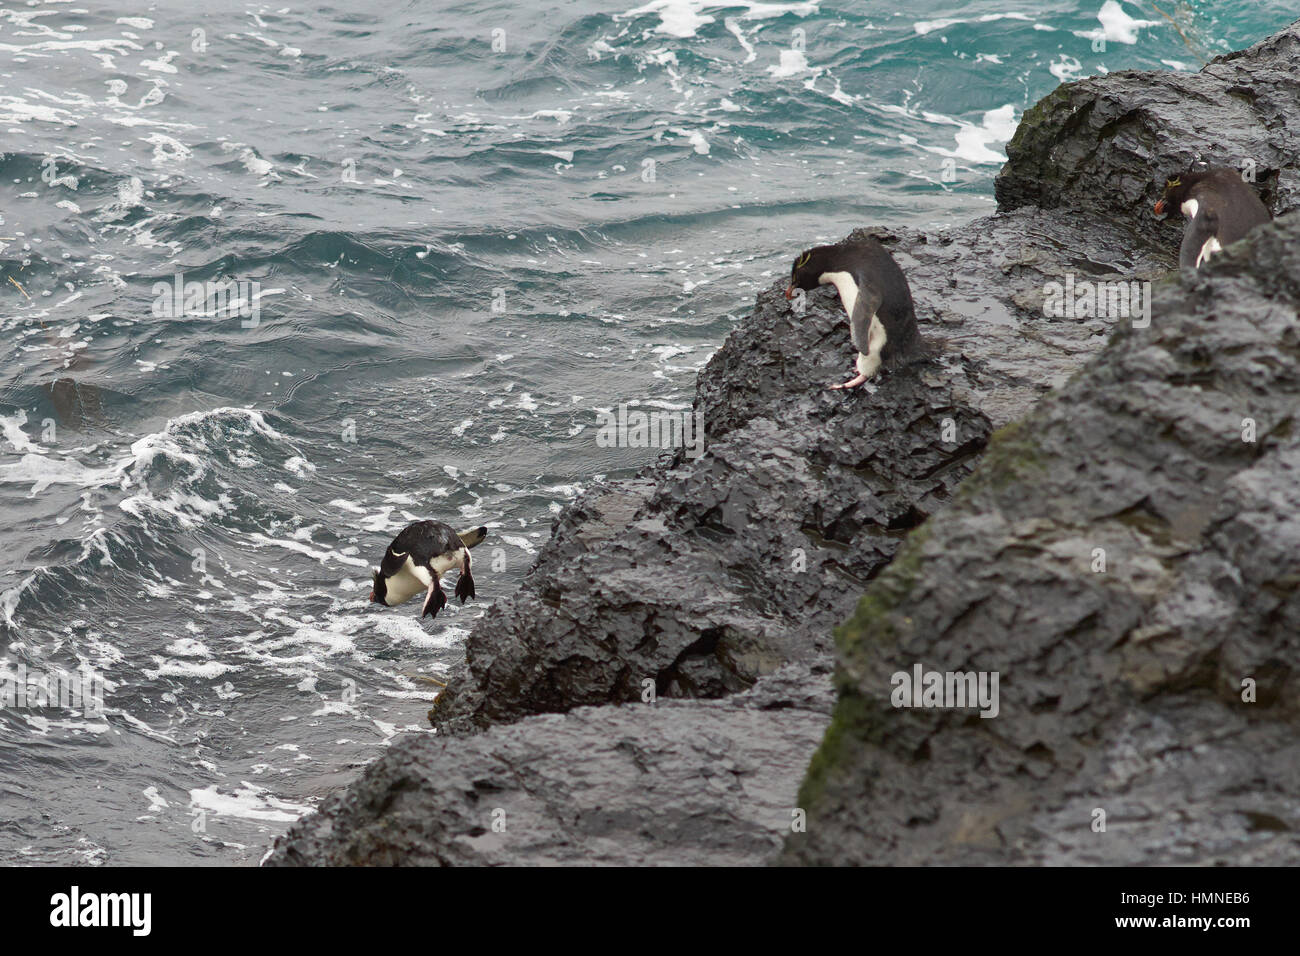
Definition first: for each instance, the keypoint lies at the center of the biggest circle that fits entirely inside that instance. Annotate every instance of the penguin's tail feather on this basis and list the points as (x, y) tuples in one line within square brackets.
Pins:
[(471, 538)]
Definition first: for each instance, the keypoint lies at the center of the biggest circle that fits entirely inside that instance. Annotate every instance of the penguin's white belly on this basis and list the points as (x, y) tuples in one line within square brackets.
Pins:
[(845, 286), (407, 583), (413, 579), (868, 361), (1210, 248), (445, 562), (868, 364)]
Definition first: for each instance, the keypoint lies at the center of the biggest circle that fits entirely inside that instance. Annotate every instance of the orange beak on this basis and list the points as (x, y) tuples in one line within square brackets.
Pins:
[(789, 291), (1160, 208)]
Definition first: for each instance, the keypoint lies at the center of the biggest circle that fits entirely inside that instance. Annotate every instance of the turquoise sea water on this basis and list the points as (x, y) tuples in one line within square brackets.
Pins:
[(466, 228)]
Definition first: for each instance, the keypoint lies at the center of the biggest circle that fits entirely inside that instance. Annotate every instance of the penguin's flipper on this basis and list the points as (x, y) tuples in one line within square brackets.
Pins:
[(435, 599), (465, 586), (868, 335), (1200, 239), (392, 561), (471, 538), (864, 311)]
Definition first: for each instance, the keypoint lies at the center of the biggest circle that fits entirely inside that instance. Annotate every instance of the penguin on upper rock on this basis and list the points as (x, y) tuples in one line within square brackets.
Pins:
[(1219, 208), (875, 296)]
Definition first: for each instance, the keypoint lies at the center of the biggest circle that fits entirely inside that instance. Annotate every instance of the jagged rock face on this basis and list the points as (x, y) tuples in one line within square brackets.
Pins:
[(701, 576), (1109, 144), (1127, 559), (699, 579), (671, 783)]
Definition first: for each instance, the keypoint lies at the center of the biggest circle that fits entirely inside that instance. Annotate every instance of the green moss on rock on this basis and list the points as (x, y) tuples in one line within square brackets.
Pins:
[(854, 719), (1012, 456)]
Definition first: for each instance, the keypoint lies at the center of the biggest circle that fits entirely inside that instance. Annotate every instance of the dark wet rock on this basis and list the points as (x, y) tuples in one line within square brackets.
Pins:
[(1107, 144), (1126, 558), (717, 582), (706, 577), (670, 783), (703, 576)]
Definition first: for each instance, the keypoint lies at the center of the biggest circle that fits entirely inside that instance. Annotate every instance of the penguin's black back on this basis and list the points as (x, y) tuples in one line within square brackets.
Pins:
[(1227, 208), (1235, 205), (872, 266), (422, 542)]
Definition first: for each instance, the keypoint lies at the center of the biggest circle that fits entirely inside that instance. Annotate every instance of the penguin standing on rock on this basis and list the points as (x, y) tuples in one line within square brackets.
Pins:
[(875, 296), (416, 561), (1219, 207)]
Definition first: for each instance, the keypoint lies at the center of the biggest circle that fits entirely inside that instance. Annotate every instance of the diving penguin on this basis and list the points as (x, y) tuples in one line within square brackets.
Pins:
[(1219, 207), (875, 296), (418, 558)]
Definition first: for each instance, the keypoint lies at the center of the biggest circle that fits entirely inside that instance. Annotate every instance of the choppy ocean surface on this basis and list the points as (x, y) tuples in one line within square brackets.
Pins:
[(453, 232)]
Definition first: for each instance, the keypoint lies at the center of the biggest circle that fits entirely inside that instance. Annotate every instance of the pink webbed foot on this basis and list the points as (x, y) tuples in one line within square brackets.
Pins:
[(851, 383)]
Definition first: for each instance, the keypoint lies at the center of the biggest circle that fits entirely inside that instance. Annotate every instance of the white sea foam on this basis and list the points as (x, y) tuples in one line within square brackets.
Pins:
[(188, 647), (1116, 25), (249, 802), (16, 110), (130, 195), (175, 442), (998, 126), (683, 18), (119, 46), (170, 667), (973, 141), (923, 27), (254, 163), (406, 628), (163, 64), (167, 150), (1066, 68), (733, 27), (297, 465), (792, 63), (43, 471), (677, 18), (321, 555), (694, 137), (11, 426)]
